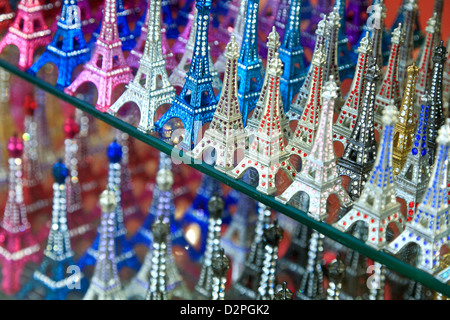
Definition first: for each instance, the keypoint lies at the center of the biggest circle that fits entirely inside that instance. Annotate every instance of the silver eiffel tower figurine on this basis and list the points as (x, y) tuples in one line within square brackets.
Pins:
[(105, 283), (150, 87)]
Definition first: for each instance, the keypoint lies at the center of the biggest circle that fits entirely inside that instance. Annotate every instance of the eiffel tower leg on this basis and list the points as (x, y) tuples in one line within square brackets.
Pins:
[(43, 59), (289, 193), (81, 79), (266, 183), (190, 134)]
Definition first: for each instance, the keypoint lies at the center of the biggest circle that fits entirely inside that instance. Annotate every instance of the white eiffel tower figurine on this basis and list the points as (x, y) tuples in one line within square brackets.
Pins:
[(267, 152), (377, 206), (226, 132), (105, 283), (429, 228), (319, 177), (150, 88)]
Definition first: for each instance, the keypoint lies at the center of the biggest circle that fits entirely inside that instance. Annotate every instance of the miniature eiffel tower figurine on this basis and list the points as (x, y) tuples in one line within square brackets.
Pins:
[(346, 120), (157, 289), (203, 288), (105, 283), (425, 62), (296, 110), (58, 255), (318, 176), (186, 45), (106, 69), (27, 32), (406, 48), (429, 226), (436, 116), (163, 207), (311, 286), (250, 68), (226, 132), (125, 254), (377, 205), (418, 37), (18, 245), (278, 21), (6, 14), (271, 237), (267, 153), (405, 127), (412, 181), (246, 287), (302, 140), (309, 35), (282, 16), (182, 41), (220, 265), (389, 89), (344, 62), (196, 103), (292, 56), (127, 38), (336, 273), (68, 48), (150, 88), (359, 154)]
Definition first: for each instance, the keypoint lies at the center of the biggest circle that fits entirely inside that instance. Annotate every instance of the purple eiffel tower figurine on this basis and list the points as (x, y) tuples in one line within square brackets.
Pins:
[(322, 8), (107, 68), (292, 56), (196, 103), (126, 257), (68, 48)]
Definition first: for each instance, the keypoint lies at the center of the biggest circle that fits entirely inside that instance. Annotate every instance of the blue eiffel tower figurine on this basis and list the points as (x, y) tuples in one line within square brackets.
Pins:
[(292, 55), (346, 65), (68, 48), (196, 103), (56, 274), (126, 257), (126, 36), (250, 68)]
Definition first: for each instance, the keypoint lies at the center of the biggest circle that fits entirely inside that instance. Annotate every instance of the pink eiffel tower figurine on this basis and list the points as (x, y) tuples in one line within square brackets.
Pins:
[(107, 68), (389, 88), (28, 32), (267, 152), (17, 245), (346, 120), (226, 132), (319, 177)]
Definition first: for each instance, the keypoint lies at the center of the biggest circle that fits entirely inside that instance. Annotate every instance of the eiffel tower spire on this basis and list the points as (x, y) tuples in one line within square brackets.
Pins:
[(359, 155), (292, 56), (412, 181), (220, 265), (429, 226), (126, 256), (304, 134), (226, 132), (55, 274), (267, 152), (404, 128), (107, 68), (319, 11), (196, 103), (68, 49), (377, 205), (296, 110), (318, 176), (250, 68), (406, 48), (345, 64), (436, 117), (425, 62), (346, 120), (150, 87), (204, 287), (356, 10), (18, 246), (389, 88), (27, 32), (105, 283), (336, 271)]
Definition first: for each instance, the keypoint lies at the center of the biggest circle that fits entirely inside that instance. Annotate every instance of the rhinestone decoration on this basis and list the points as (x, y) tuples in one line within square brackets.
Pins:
[(220, 266), (107, 68)]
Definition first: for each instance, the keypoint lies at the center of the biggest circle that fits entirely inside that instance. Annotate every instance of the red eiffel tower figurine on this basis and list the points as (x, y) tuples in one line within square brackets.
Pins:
[(107, 68), (17, 245), (27, 32)]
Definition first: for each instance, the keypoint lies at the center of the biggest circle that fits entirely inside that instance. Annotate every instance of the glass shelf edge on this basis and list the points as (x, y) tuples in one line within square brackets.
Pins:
[(347, 240)]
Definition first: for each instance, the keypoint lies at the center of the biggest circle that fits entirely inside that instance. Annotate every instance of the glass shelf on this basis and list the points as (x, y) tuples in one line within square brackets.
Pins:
[(329, 231)]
